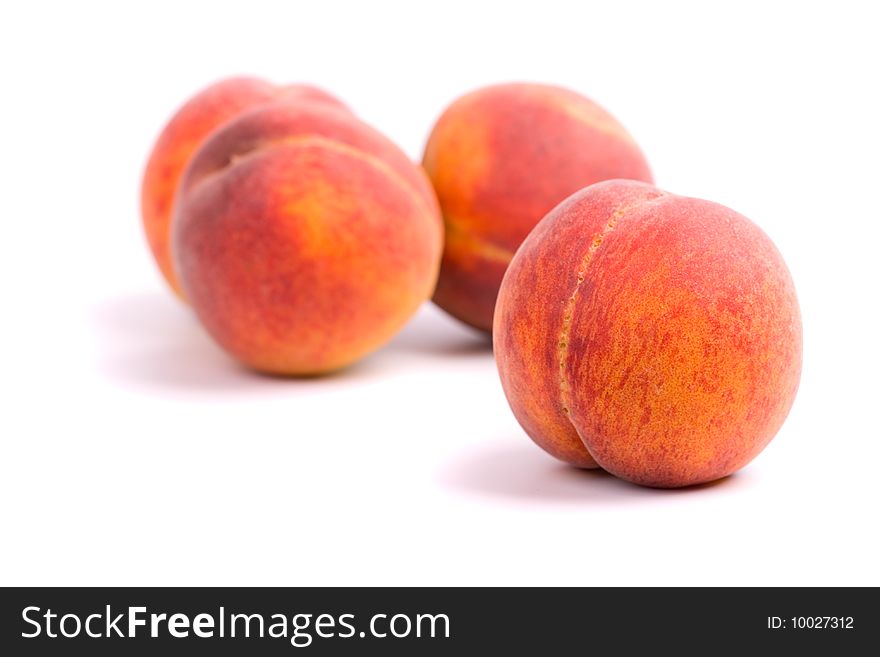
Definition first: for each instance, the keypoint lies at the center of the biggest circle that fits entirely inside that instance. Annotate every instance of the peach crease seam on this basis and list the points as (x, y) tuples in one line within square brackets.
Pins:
[(568, 310), (486, 248), (333, 144)]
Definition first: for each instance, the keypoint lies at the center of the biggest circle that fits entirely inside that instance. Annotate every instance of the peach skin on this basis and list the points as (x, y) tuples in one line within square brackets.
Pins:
[(653, 335), (185, 132), (303, 239), (500, 158), (276, 121)]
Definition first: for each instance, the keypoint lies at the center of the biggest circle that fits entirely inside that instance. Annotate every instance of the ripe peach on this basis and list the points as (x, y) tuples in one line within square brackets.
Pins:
[(500, 158), (653, 335), (185, 132), (304, 239)]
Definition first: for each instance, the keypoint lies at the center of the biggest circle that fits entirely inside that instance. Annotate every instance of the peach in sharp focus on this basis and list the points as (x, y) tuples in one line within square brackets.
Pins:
[(654, 335)]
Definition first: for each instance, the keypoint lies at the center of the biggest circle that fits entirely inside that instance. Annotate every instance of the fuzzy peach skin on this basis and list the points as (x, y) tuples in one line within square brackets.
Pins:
[(303, 249), (276, 121), (654, 335), (185, 132), (500, 158)]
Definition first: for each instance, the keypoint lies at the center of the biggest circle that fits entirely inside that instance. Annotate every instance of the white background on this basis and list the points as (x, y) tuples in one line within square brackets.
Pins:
[(134, 452)]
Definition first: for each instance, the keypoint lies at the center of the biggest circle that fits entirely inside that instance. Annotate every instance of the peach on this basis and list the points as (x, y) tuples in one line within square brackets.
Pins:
[(653, 335), (500, 158), (304, 239), (185, 132)]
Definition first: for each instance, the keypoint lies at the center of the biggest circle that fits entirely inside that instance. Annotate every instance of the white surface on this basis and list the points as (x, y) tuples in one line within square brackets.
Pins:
[(134, 452)]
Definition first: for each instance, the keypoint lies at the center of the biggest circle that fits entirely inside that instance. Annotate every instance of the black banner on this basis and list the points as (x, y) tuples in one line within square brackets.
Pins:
[(408, 621)]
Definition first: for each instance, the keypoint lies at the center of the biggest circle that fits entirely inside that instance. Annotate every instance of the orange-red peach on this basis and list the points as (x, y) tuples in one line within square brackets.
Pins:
[(500, 158), (182, 136), (653, 335), (303, 238)]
